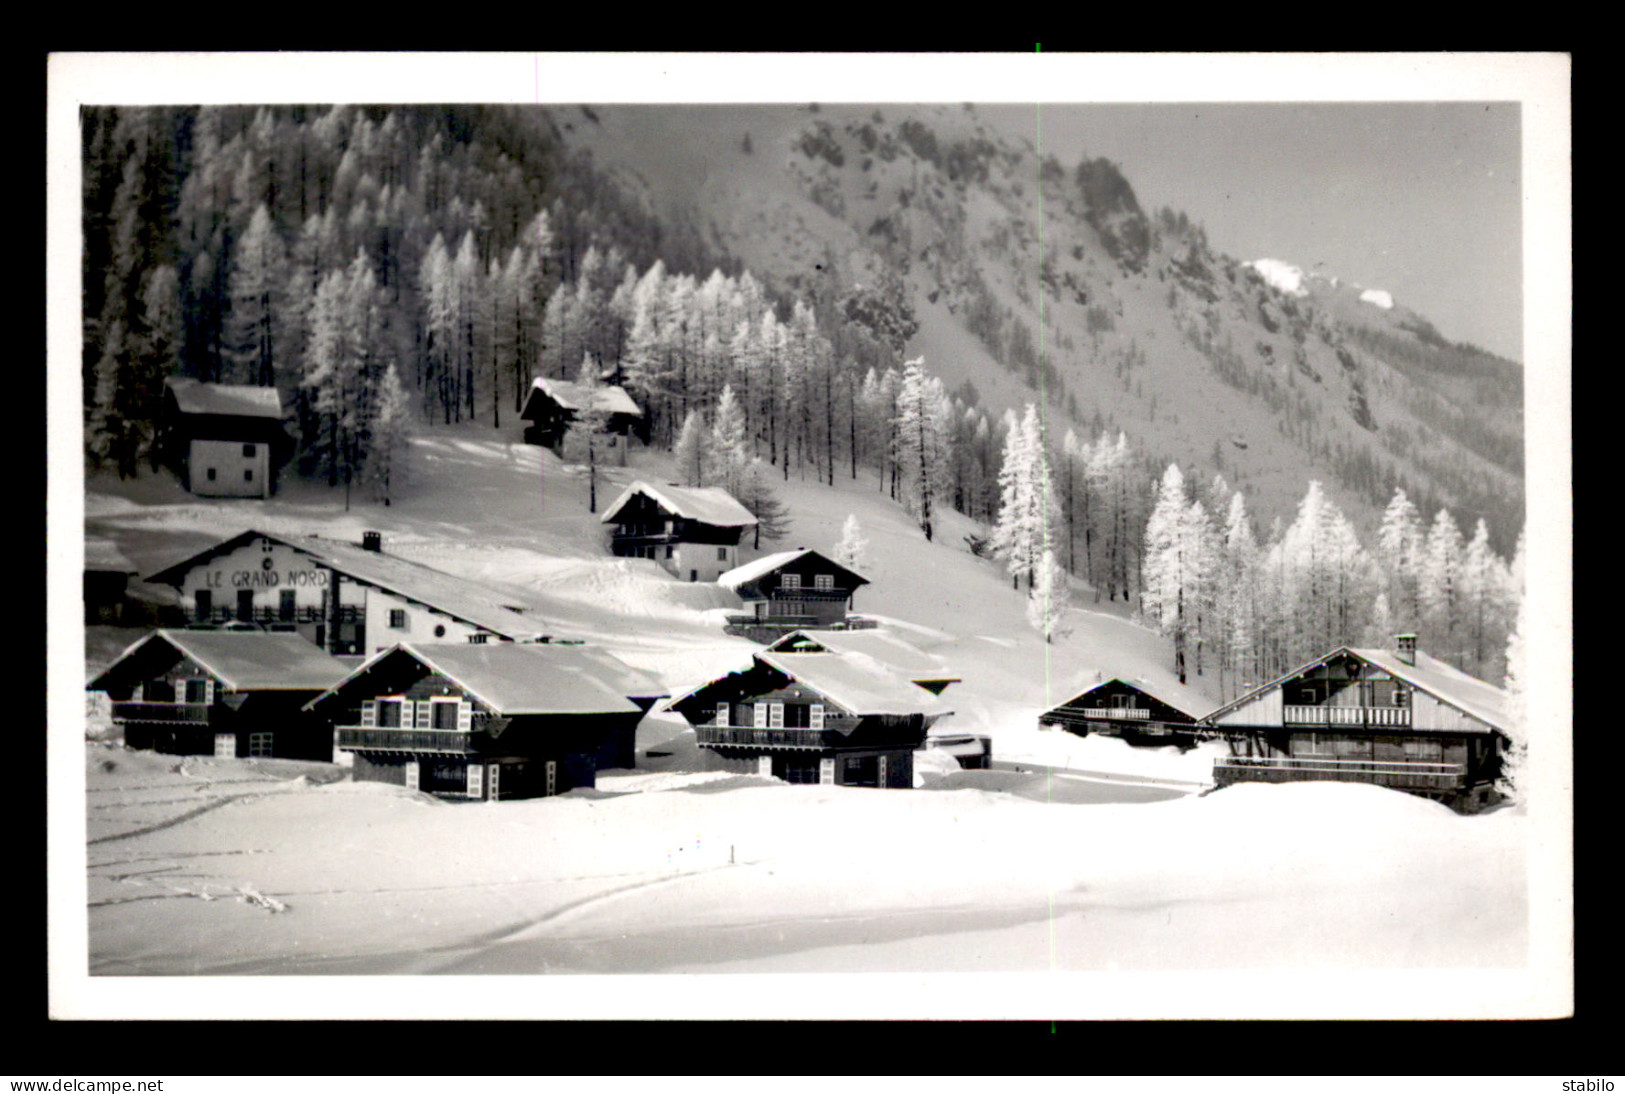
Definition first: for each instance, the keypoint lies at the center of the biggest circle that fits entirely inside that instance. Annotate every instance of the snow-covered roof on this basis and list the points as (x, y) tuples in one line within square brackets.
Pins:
[(523, 678), (457, 597), (1086, 692), (753, 570), (249, 660), (241, 400), (884, 649), (857, 683), (1448, 684), (570, 396), (706, 504), (103, 554)]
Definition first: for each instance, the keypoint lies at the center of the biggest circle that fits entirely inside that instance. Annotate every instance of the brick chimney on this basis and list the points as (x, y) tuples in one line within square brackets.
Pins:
[(1405, 648), (372, 541)]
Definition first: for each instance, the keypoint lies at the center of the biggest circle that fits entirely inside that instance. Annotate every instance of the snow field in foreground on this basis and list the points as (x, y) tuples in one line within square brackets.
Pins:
[(719, 873)]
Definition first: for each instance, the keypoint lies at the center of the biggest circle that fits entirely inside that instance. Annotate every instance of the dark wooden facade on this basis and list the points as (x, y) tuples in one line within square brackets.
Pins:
[(692, 533), (805, 589), (550, 420), (1366, 716), (168, 701), (767, 720), (1116, 708), (410, 725)]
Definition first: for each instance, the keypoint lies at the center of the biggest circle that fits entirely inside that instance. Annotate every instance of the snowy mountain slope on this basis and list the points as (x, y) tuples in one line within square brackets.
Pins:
[(1011, 262)]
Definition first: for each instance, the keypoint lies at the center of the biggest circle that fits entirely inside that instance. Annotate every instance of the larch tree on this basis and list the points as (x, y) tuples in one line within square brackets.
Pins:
[(1023, 530), (258, 279), (1047, 600), (689, 452), (923, 455), (387, 464), (1515, 758), (1442, 586), (1400, 543), (853, 550), (1167, 566), (591, 422)]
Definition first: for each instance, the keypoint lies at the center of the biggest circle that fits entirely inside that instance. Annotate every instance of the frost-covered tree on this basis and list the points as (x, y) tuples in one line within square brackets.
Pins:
[(1168, 569), (390, 441), (1400, 553), (690, 454), (756, 495), (1023, 530), (586, 435), (853, 550), (1515, 758), (1047, 601), (259, 275), (729, 457), (1442, 587), (922, 445)]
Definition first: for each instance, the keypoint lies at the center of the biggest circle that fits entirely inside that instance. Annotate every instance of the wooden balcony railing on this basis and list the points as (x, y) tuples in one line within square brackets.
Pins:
[(143, 711), (1403, 774), (348, 613), (1136, 713), (760, 738), (369, 738), (1360, 717)]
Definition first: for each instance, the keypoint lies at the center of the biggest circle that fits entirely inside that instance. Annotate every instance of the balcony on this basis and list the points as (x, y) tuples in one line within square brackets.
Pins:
[(371, 739), (1355, 717), (1130, 713), (143, 711), (348, 613), (712, 736), (1400, 774)]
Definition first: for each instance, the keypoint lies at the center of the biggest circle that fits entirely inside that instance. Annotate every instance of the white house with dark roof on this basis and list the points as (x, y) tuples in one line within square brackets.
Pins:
[(347, 598), (1396, 718), (222, 693), (224, 440), (692, 532)]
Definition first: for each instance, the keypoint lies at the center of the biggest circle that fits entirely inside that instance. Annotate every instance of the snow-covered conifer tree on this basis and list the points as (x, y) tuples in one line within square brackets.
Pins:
[(258, 279), (1166, 569), (729, 456), (1023, 530), (591, 422), (387, 465), (853, 550), (1047, 601), (922, 455), (1515, 757), (689, 452), (1400, 543)]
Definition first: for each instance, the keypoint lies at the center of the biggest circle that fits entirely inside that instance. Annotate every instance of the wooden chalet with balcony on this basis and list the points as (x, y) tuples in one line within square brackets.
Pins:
[(692, 532), (1396, 718), (813, 717), (552, 405), (222, 693), (348, 599), (791, 590), (223, 440), (1116, 708), (489, 721)]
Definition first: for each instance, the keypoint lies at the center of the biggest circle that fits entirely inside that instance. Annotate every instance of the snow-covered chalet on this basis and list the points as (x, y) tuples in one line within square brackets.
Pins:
[(799, 588), (222, 693), (1117, 708), (1397, 718), (813, 717), (223, 440), (552, 405), (692, 532), (488, 721)]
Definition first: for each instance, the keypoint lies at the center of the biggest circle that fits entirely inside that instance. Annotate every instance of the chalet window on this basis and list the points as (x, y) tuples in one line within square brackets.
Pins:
[(286, 606), (197, 691), (669, 551), (389, 713), (205, 604), (1402, 698), (824, 581), (1424, 751), (259, 744), (397, 618), (248, 474), (797, 716), (445, 714), (209, 474), (775, 715), (1123, 702), (225, 746), (248, 450), (759, 716), (478, 639), (789, 581), (440, 630), (722, 554), (815, 716), (722, 714)]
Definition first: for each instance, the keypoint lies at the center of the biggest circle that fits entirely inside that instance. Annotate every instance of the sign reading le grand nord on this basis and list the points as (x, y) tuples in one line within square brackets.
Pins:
[(267, 577)]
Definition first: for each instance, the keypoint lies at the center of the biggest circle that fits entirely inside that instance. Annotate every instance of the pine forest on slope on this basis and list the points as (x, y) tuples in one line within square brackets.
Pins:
[(394, 268)]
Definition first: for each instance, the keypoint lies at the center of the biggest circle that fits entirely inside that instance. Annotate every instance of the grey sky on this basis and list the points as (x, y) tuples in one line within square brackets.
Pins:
[(1419, 199)]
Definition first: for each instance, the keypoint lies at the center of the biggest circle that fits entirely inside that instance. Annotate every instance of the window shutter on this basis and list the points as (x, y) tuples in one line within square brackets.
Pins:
[(422, 715), (775, 715), (465, 716), (208, 691), (722, 714), (761, 716), (817, 716), (369, 714)]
